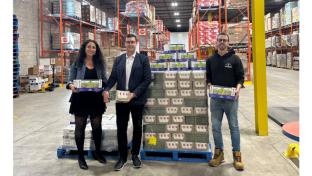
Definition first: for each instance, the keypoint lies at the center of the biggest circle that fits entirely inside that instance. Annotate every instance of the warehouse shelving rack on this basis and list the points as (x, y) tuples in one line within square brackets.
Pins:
[(224, 15), (284, 30), (144, 27), (62, 20)]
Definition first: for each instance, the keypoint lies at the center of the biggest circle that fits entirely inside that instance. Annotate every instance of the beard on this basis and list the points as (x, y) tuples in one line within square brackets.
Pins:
[(222, 46)]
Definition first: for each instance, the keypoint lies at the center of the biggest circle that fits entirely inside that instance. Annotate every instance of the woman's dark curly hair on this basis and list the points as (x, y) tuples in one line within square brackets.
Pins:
[(98, 59)]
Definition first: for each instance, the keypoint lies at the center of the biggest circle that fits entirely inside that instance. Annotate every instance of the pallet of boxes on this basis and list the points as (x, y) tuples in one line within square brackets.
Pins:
[(176, 117)]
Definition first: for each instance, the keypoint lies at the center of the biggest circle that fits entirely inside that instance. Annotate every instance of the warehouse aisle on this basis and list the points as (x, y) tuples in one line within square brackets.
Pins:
[(40, 118)]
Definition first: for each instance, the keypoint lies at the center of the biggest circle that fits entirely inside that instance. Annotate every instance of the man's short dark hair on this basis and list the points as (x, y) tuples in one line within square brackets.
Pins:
[(132, 35), (224, 33)]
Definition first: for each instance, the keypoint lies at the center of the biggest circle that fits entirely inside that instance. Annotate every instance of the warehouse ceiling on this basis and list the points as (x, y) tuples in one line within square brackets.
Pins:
[(165, 11)]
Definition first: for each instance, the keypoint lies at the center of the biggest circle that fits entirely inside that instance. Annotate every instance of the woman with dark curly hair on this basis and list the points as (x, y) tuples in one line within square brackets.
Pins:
[(89, 65)]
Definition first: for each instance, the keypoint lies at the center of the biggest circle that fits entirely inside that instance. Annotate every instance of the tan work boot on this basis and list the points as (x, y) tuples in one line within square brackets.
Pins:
[(238, 164), (218, 158)]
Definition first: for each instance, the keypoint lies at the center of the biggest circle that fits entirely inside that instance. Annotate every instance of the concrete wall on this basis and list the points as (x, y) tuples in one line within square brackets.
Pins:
[(179, 38), (28, 18)]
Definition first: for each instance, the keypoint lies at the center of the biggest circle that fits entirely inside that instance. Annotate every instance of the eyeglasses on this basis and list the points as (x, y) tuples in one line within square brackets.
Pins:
[(222, 40), (131, 42)]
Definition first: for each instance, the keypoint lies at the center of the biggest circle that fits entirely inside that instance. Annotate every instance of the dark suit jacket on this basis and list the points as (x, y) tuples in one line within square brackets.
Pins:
[(139, 80)]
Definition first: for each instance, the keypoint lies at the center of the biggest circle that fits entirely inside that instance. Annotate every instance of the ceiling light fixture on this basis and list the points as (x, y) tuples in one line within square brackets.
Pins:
[(178, 21), (179, 25), (174, 4), (176, 13)]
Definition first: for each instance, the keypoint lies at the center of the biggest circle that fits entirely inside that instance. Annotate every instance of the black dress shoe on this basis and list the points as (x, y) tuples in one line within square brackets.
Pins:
[(120, 164), (99, 157), (82, 163), (136, 161)]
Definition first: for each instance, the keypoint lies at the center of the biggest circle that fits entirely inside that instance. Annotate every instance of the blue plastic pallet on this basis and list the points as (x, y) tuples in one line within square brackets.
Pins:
[(15, 23), (15, 50), (65, 152), (15, 54), (176, 155)]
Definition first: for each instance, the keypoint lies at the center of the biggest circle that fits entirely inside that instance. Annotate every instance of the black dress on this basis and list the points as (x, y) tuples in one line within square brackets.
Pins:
[(87, 103)]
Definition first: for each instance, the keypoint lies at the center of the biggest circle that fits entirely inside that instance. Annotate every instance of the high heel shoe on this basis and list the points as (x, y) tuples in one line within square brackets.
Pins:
[(99, 157), (82, 163)]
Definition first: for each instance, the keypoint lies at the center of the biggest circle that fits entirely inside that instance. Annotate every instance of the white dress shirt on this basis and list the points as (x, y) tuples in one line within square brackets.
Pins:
[(129, 63)]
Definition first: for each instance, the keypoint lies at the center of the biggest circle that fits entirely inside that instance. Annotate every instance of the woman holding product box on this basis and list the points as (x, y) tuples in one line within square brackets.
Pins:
[(90, 65)]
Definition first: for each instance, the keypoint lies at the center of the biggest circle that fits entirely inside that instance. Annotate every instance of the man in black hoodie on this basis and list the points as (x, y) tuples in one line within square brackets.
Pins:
[(225, 68)]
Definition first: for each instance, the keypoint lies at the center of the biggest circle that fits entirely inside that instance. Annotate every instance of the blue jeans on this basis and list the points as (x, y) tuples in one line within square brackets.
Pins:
[(217, 108)]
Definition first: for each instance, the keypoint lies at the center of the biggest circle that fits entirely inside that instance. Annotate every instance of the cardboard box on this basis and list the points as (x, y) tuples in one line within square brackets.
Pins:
[(154, 128), (200, 110), (172, 145), (178, 136), (201, 128), (187, 110), (199, 84), (186, 93), (147, 119), (186, 145), (184, 84), (150, 102), (33, 70), (201, 146), (172, 127), (200, 92), (164, 136), (178, 119), (186, 128), (184, 75), (163, 119), (170, 75), (199, 75), (163, 101), (177, 101), (171, 93), (172, 110), (170, 84)]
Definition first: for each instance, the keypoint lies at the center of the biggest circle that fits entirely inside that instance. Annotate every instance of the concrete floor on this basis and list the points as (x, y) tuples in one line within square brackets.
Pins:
[(39, 120)]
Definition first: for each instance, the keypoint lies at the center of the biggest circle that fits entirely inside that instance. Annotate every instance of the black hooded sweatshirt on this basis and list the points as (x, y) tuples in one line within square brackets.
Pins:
[(226, 70)]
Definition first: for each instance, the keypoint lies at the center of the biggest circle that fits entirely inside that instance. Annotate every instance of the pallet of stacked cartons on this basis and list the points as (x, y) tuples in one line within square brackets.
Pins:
[(276, 21), (289, 60), (274, 59), (296, 63), (236, 3), (268, 22), (283, 61), (288, 11), (269, 58), (171, 121)]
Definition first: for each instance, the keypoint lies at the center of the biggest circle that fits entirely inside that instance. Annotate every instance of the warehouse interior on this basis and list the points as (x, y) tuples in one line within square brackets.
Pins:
[(177, 37)]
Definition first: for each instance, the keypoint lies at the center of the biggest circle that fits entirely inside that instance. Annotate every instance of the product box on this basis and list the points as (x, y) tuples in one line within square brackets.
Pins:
[(177, 101), (222, 92), (150, 102), (122, 96), (163, 101), (163, 119), (178, 119), (88, 85), (172, 127), (186, 93), (186, 145), (186, 128), (147, 119), (172, 145), (171, 93), (184, 84)]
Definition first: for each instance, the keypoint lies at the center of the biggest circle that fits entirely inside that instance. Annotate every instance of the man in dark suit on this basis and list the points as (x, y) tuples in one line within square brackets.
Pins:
[(132, 73)]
